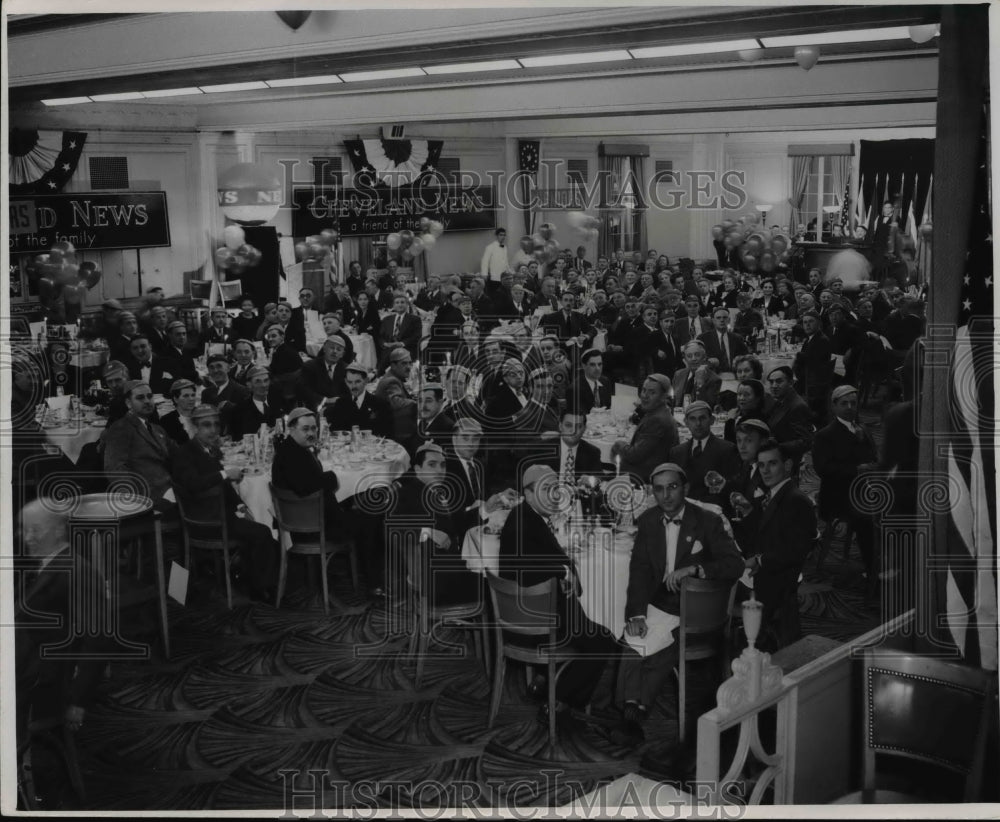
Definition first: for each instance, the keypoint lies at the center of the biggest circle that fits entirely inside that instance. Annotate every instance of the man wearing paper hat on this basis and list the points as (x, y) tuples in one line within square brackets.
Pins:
[(217, 332), (323, 377), (359, 406), (655, 435), (675, 540), (263, 407), (704, 455), (530, 554), (222, 392), (198, 475)]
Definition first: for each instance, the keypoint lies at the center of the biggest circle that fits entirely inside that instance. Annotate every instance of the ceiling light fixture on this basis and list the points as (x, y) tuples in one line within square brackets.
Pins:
[(288, 82), (66, 101), (835, 37), (251, 86), (171, 92), (485, 65), (113, 98), (382, 74), (575, 58), (684, 49)]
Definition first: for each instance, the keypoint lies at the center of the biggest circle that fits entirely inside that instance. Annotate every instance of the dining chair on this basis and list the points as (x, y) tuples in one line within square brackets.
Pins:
[(530, 613), (925, 710), (56, 735), (429, 615), (302, 523), (207, 534), (706, 605)]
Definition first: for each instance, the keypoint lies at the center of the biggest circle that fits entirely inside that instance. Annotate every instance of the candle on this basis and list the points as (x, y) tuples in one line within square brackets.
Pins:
[(618, 465), (447, 358)]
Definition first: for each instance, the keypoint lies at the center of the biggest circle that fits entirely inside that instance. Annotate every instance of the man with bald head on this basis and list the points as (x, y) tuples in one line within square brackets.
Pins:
[(696, 379), (655, 435)]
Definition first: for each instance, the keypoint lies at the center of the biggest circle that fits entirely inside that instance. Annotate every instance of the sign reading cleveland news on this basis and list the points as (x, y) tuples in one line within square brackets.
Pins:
[(360, 211), (91, 222)]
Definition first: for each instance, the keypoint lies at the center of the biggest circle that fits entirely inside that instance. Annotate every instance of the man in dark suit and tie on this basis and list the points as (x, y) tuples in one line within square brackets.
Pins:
[(156, 330), (662, 354), (359, 407), (431, 297), (521, 307), (721, 345), (885, 240), (244, 353), (745, 483), (655, 435), (530, 554), (158, 372), (322, 378), (590, 389), (137, 447), (571, 457), (119, 346), (541, 415), (471, 501), (842, 451), (197, 469), (696, 379), (571, 327), (704, 453), (264, 405), (401, 329), (224, 393), (789, 419), (813, 366), (509, 399), (692, 325), (216, 333), (433, 423), (675, 540), (783, 528), (304, 316), (176, 351)]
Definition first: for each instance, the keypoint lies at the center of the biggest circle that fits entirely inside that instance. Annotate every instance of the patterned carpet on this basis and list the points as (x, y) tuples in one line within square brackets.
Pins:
[(257, 704)]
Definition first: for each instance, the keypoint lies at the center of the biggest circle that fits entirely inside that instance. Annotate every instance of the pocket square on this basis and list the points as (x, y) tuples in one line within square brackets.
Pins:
[(696, 548)]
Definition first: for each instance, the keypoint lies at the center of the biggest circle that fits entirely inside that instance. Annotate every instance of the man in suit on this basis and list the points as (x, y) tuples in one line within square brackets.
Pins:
[(655, 435), (885, 239), (119, 346), (401, 329), (571, 327), (745, 483), (158, 372), (244, 353), (445, 334), (495, 260), (176, 351), (675, 540), (137, 447), (322, 378), (524, 348), (223, 392), (747, 320), (530, 554), (430, 297), (696, 379), (434, 423), (721, 345), (292, 334), (692, 325), (541, 414), (590, 389), (571, 457), (468, 479), (197, 470), (789, 420), (306, 321), (216, 333), (813, 367), (483, 308), (843, 451), (177, 423), (783, 525), (264, 405), (662, 355), (359, 407), (521, 306), (509, 399), (458, 403), (704, 453), (156, 330)]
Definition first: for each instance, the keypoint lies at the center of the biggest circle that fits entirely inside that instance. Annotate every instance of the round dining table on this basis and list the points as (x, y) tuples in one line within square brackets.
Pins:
[(71, 433)]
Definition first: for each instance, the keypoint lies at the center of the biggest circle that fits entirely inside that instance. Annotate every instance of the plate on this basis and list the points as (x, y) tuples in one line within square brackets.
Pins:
[(98, 423)]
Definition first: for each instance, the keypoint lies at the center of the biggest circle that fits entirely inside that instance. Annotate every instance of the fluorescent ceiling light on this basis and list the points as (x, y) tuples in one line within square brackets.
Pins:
[(66, 101), (834, 37), (321, 80), (486, 65), (383, 74), (576, 58), (171, 92), (111, 98), (682, 49), (251, 86)]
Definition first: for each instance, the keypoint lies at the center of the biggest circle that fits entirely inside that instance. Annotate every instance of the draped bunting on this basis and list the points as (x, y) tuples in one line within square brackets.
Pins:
[(394, 162), (42, 162)]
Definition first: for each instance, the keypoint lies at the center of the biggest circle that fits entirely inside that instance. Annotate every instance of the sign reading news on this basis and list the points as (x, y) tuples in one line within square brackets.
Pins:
[(91, 222), (360, 211)]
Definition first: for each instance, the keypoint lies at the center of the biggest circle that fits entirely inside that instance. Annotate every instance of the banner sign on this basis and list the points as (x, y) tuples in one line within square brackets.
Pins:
[(363, 211), (91, 222)]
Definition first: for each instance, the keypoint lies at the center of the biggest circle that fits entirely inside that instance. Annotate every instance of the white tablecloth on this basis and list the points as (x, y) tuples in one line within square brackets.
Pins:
[(70, 437), (601, 563), (364, 349)]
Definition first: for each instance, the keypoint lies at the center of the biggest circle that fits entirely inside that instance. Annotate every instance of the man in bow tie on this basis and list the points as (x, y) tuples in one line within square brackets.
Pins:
[(842, 451), (675, 540)]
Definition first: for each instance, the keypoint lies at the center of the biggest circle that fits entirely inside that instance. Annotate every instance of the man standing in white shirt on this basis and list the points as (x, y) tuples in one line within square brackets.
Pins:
[(495, 261)]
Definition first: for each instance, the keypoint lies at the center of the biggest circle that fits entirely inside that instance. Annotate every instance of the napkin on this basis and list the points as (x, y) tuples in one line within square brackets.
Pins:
[(58, 403), (660, 634)]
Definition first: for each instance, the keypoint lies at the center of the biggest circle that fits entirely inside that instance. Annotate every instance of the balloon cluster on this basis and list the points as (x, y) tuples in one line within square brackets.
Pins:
[(317, 246), (236, 256), (412, 245), (587, 228), (57, 273), (543, 244), (759, 248)]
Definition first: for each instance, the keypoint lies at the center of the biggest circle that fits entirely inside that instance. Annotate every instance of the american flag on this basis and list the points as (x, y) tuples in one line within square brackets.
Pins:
[(845, 209), (971, 584), (527, 153)]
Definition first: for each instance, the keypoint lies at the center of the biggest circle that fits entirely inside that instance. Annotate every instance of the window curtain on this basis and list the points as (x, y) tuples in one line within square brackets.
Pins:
[(637, 165), (800, 180), (612, 173)]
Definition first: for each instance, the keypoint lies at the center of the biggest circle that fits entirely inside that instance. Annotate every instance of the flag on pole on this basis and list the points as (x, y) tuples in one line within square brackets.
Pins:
[(911, 220), (926, 218), (859, 205)]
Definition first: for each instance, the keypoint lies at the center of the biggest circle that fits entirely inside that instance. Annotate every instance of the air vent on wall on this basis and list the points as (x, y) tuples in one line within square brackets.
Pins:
[(450, 167), (663, 169), (577, 172), (108, 172), (328, 171)]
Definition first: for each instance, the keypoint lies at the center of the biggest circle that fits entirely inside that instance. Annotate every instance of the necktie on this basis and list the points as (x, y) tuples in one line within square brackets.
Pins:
[(689, 385), (329, 370), (470, 467), (570, 471), (724, 343), (694, 333), (597, 394), (395, 328), (766, 500), (696, 450)]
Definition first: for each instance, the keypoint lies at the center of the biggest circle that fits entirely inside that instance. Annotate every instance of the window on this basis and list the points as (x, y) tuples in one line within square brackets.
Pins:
[(821, 193)]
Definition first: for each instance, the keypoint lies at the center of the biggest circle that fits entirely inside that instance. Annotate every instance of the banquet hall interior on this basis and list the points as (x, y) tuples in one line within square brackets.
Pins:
[(517, 408)]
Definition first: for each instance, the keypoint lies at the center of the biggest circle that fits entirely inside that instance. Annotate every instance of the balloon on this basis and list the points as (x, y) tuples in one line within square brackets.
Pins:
[(547, 231), (429, 241), (313, 238), (727, 224), (328, 236), (89, 273), (301, 249), (437, 228), (767, 262), (65, 247), (806, 56), (416, 247), (716, 232), (750, 55), (56, 256), (253, 256), (921, 34), (68, 274), (750, 262), (752, 218), (406, 238), (406, 255), (779, 244), (425, 225), (237, 264), (595, 233), (753, 245), (576, 219), (316, 251), (234, 236), (527, 244), (539, 254), (221, 256), (393, 241), (293, 19)]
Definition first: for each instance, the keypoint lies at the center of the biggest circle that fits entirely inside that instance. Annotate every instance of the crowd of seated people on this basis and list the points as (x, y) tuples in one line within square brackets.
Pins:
[(511, 368)]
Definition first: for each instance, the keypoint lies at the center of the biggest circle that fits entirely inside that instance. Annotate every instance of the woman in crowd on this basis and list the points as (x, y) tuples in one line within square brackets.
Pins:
[(727, 291), (751, 403), (178, 424), (368, 320), (270, 318), (244, 326)]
